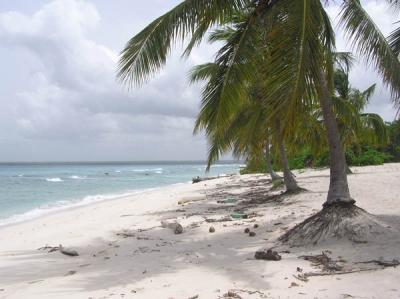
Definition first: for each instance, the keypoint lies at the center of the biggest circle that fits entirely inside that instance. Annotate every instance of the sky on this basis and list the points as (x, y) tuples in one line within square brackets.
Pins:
[(60, 100)]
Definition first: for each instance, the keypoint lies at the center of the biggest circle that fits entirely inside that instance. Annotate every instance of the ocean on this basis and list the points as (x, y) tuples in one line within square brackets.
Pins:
[(29, 190)]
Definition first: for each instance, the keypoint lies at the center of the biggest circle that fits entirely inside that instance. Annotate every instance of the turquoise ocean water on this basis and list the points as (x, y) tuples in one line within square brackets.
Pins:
[(29, 190)]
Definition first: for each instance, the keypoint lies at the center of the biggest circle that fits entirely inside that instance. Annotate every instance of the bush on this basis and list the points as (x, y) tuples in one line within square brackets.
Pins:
[(368, 156)]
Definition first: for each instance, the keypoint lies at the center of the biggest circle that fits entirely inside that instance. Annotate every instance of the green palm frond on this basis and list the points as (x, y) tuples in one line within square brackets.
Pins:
[(298, 43), (228, 86), (376, 125), (394, 40), (371, 44), (147, 52)]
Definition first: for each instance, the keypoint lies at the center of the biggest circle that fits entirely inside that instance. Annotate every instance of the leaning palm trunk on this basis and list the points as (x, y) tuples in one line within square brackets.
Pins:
[(289, 180), (338, 187), (270, 170), (340, 217)]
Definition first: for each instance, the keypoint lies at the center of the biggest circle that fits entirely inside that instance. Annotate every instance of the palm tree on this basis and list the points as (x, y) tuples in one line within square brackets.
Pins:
[(300, 41), (246, 128), (356, 126)]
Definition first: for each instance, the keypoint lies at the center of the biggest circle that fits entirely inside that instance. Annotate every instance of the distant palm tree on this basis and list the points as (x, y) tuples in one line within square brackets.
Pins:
[(356, 126), (247, 128)]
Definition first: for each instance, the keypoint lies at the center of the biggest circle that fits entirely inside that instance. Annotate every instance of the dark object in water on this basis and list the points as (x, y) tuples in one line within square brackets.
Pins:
[(211, 229), (252, 234), (246, 230)]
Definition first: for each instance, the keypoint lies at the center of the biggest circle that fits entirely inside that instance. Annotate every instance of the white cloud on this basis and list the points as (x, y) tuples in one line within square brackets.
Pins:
[(61, 101), (72, 94)]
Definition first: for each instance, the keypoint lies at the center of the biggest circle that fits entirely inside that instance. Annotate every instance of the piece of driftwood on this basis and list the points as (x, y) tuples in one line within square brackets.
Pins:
[(188, 199), (222, 219), (309, 274), (49, 248), (67, 251), (200, 179), (172, 224), (393, 263)]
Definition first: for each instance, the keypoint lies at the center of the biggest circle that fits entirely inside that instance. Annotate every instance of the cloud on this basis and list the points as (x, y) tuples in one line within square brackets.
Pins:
[(60, 99), (72, 94)]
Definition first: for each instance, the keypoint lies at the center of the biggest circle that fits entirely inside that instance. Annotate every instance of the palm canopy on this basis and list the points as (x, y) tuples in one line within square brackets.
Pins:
[(189, 21)]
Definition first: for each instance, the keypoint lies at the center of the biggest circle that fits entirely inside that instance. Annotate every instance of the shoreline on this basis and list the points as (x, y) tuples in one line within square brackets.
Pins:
[(71, 205), (125, 253)]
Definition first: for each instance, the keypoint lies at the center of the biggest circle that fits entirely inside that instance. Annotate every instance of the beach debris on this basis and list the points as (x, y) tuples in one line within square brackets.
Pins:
[(293, 284), (227, 200), (126, 234), (67, 251), (232, 295), (190, 199), (72, 272), (35, 281), (211, 229), (198, 179), (239, 216), (194, 297), (252, 234), (222, 219), (267, 254), (246, 230), (255, 225), (323, 260), (393, 263), (178, 229), (49, 248), (172, 224)]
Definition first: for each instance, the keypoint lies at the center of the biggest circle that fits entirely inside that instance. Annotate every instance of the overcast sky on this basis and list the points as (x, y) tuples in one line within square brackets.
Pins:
[(60, 100)]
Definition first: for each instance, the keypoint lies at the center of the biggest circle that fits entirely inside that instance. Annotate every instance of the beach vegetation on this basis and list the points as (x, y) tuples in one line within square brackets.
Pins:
[(282, 53)]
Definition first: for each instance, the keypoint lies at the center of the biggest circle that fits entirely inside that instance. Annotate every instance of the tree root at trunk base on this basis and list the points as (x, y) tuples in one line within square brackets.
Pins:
[(334, 222), (329, 266)]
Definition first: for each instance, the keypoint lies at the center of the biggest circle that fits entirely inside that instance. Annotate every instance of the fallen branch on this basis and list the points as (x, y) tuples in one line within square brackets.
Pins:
[(309, 274), (49, 248), (393, 263)]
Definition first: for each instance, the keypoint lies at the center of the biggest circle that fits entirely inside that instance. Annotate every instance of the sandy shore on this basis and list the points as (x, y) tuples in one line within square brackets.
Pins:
[(125, 253)]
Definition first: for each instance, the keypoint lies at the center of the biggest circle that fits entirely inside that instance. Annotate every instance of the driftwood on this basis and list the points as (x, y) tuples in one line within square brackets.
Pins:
[(191, 199), (67, 251), (172, 224), (199, 179), (49, 248), (393, 263)]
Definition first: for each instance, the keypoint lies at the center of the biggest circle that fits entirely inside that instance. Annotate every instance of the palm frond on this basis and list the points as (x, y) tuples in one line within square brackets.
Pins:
[(147, 52), (369, 41)]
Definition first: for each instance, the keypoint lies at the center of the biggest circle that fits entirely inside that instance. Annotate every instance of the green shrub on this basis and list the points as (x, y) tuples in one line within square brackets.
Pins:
[(367, 156)]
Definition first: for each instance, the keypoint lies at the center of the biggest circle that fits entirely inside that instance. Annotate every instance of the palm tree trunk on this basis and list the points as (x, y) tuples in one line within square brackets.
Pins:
[(288, 178), (270, 170), (338, 187)]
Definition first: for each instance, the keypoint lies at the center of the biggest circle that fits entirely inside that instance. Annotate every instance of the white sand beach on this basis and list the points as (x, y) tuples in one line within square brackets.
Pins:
[(125, 253)]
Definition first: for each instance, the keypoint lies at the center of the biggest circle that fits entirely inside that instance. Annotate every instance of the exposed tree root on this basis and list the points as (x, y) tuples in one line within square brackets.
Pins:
[(338, 221)]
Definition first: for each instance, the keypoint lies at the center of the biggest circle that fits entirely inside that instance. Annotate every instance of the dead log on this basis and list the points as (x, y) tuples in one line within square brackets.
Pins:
[(172, 224)]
